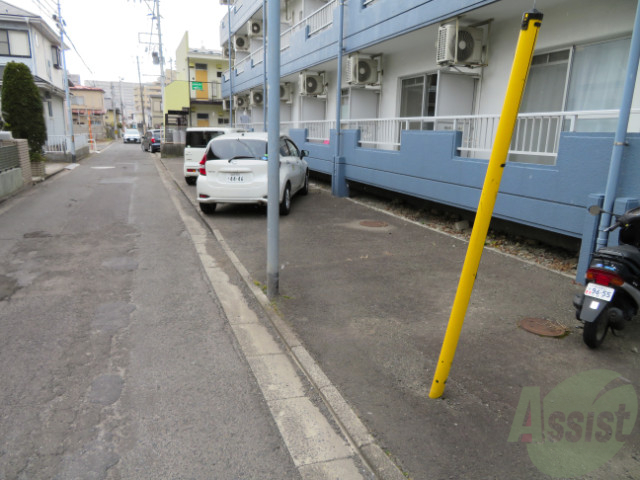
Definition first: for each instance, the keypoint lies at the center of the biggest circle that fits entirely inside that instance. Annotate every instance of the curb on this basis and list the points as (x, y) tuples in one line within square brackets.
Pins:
[(349, 423)]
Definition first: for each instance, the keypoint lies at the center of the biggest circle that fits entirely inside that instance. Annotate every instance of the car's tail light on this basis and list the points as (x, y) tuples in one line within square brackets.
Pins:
[(202, 169), (153, 140), (603, 277)]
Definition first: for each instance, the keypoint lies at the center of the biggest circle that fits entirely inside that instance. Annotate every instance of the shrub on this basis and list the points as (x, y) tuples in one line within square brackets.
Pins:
[(22, 108)]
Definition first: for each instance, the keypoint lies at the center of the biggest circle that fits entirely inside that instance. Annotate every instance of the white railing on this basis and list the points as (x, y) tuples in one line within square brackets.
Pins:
[(535, 138), (318, 21), (62, 143), (56, 143)]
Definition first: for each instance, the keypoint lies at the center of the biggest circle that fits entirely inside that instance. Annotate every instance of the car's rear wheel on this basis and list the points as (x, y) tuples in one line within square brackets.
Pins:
[(191, 180), (208, 208), (285, 205)]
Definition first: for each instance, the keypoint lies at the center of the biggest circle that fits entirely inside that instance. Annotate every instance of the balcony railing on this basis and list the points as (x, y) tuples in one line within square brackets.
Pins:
[(535, 138), (315, 23)]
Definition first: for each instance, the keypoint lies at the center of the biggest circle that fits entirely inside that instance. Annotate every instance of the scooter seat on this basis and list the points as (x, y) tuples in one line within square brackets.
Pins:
[(628, 253)]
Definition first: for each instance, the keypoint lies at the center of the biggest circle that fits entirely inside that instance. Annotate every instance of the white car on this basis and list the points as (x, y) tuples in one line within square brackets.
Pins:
[(234, 170), (196, 142), (131, 135)]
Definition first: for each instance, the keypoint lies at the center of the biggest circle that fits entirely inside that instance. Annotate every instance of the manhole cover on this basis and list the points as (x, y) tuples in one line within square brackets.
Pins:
[(543, 327), (373, 223)]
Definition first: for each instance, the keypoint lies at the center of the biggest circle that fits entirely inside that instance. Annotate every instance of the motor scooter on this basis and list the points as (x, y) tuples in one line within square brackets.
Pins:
[(612, 293)]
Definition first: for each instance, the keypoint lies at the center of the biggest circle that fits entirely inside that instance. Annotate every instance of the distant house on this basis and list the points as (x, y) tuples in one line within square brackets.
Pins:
[(26, 38), (87, 107), (194, 98)]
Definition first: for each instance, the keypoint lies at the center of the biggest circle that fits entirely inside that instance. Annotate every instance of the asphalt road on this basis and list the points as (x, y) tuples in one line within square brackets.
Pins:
[(116, 360)]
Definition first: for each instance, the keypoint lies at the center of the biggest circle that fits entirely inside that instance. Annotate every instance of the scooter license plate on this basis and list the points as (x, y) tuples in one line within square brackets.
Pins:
[(600, 292)]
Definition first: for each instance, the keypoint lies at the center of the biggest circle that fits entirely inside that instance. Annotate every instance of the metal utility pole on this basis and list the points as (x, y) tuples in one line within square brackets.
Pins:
[(144, 123), (273, 149), (162, 73), (124, 122), (230, 71), (69, 121), (339, 186), (113, 108)]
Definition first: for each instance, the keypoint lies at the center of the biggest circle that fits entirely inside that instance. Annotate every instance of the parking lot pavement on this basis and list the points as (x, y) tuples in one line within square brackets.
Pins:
[(369, 295)]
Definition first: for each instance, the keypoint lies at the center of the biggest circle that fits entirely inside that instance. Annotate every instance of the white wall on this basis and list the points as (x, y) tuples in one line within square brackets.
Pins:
[(563, 26)]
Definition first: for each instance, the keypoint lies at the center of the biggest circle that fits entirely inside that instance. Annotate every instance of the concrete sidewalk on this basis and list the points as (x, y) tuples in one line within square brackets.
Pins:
[(370, 294)]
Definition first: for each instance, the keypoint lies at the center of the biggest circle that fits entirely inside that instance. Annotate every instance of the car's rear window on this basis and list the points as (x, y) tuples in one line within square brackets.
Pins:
[(238, 147), (200, 139)]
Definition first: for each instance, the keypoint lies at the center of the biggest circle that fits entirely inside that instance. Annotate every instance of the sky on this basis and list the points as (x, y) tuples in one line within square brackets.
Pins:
[(110, 34)]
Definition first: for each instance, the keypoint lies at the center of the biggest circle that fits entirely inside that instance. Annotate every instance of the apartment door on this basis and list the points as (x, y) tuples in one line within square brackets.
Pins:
[(202, 78)]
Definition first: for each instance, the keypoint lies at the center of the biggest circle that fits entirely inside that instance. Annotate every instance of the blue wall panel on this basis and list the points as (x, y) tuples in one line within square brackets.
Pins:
[(546, 197)]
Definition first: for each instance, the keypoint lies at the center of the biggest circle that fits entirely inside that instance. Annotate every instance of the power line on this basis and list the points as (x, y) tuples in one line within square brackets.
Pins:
[(43, 9)]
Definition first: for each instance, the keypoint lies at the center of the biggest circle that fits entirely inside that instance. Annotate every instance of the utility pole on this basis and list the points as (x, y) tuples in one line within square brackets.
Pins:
[(113, 108), (230, 70), (124, 122), (162, 72), (69, 121), (144, 122)]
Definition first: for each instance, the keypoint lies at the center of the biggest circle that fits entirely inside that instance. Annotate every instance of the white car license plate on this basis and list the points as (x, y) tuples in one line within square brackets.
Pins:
[(599, 292), (235, 178)]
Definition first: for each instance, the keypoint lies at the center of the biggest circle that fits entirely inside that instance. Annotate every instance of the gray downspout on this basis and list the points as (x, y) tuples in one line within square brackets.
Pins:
[(339, 186), (621, 132)]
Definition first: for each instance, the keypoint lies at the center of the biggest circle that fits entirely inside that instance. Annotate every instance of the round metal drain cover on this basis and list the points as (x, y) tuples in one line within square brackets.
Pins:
[(543, 327), (373, 223)]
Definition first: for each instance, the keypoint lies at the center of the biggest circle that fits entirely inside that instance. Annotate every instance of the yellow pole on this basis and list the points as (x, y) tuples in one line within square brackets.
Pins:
[(531, 22)]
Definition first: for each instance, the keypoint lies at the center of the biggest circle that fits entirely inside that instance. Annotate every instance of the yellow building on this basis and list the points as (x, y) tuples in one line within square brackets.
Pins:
[(194, 98), (89, 115)]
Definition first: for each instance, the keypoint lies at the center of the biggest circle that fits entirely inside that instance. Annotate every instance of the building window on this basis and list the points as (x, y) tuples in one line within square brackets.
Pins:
[(55, 56), (418, 99), (201, 66), (14, 43), (223, 121)]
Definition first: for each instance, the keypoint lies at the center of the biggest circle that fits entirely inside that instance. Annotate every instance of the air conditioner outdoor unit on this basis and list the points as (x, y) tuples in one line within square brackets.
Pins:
[(363, 70), (465, 48), (286, 92), (241, 42), (255, 28), (311, 84), (256, 98), (240, 101)]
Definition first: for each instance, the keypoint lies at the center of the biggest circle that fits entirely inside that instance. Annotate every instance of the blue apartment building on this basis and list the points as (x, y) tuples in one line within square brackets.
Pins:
[(421, 92)]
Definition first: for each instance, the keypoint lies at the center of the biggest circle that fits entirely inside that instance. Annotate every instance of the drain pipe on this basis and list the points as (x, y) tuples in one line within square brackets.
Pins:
[(339, 186), (621, 133)]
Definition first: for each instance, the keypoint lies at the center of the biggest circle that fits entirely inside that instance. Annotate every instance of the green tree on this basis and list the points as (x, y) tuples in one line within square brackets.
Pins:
[(22, 109)]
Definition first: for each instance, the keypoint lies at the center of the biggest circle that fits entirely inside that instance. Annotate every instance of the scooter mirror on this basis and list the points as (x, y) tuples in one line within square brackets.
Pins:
[(595, 210)]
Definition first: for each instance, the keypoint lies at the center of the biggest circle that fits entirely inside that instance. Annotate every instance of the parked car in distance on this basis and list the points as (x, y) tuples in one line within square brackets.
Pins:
[(197, 139), (234, 170), (131, 135), (152, 141)]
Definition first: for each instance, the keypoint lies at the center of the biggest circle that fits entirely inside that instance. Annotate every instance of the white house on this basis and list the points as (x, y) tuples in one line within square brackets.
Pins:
[(26, 38)]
